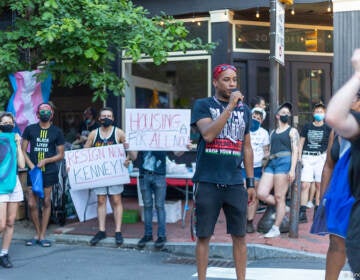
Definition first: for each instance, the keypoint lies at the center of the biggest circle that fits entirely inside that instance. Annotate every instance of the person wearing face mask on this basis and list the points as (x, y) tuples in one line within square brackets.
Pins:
[(45, 142), (280, 170), (260, 143), (10, 199), (314, 138), (88, 125), (107, 134)]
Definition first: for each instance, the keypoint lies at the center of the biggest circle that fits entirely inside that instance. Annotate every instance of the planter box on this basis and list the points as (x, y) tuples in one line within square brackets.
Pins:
[(130, 216)]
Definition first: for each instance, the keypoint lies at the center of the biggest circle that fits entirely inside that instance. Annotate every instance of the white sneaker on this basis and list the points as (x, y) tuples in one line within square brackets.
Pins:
[(309, 204), (273, 232)]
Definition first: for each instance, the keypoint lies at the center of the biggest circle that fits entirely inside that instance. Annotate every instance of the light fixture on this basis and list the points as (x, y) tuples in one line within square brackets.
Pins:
[(199, 23), (257, 15), (292, 11), (329, 7)]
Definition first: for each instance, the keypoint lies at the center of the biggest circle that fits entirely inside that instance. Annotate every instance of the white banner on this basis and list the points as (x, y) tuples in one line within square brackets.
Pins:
[(157, 129), (97, 167)]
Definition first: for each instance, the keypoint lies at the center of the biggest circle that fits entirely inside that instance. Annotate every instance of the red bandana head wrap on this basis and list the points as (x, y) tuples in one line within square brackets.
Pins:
[(221, 68)]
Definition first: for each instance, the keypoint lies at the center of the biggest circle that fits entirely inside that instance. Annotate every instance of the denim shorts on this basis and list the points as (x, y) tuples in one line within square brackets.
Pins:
[(279, 165), (257, 173)]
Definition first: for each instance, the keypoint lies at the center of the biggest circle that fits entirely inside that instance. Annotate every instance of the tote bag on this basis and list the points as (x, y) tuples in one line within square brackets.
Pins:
[(338, 198), (37, 181)]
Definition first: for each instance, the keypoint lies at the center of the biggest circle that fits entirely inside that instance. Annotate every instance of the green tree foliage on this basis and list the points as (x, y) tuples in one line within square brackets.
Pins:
[(77, 41)]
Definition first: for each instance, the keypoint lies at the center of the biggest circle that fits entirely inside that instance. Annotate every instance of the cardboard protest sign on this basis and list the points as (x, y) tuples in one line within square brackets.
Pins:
[(97, 167), (157, 129), (85, 202)]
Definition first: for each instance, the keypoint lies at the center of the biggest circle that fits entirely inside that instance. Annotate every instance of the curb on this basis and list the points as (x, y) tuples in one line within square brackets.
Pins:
[(216, 250)]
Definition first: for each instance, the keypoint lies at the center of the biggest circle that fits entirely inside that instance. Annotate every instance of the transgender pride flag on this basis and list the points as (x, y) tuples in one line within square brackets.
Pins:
[(28, 94)]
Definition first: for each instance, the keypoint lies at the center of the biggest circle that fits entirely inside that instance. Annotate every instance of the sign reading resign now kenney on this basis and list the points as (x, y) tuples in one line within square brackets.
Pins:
[(97, 167), (157, 129)]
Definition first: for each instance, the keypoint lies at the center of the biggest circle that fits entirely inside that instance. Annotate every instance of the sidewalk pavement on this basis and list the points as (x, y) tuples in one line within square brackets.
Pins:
[(179, 241)]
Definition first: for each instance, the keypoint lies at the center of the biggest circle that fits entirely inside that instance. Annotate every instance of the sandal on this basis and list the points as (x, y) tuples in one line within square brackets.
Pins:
[(31, 242), (45, 243)]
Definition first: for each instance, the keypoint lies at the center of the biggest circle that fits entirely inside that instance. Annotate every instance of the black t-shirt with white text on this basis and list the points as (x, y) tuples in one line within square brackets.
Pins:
[(316, 137), (219, 162), (43, 143)]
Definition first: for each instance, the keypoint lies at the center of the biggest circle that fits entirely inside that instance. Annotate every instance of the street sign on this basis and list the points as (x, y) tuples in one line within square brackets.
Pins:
[(280, 33)]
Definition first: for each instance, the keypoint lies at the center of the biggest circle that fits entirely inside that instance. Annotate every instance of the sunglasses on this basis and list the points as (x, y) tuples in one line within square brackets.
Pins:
[(44, 112), (226, 67)]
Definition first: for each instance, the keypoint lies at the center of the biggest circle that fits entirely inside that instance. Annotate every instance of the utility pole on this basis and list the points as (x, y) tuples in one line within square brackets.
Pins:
[(274, 66), (277, 56)]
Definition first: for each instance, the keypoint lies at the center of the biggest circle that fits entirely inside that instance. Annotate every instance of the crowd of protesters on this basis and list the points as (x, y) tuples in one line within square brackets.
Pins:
[(249, 165)]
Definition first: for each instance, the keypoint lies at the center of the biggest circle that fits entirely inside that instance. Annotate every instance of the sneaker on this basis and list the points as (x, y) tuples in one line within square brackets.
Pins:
[(160, 242), (119, 240), (5, 261), (309, 204), (97, 237), (302, 217), (142, 242), (250, 227), (273, 232)]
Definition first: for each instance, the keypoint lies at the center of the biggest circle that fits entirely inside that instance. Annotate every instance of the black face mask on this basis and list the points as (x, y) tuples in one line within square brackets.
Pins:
[(106, 122), (45, 115), (44, 118), (284, 119), (6, 127)]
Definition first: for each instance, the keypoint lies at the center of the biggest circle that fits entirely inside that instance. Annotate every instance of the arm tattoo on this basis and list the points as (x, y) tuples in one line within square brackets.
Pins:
[(295, 139)]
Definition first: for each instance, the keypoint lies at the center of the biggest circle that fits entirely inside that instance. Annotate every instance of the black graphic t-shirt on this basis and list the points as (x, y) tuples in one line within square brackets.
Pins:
[(220, 161), (316, 137), (43, 143)]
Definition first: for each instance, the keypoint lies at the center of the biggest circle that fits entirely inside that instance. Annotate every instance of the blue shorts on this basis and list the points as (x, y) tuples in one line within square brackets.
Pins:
[(257, 173), (279, 165)]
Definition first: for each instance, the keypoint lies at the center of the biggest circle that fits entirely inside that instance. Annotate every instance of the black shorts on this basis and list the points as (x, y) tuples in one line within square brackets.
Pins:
[(210, 198), (352, 241), (49, 180)]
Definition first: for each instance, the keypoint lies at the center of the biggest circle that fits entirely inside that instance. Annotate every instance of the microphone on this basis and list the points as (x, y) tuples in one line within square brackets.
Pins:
[(239, 103)]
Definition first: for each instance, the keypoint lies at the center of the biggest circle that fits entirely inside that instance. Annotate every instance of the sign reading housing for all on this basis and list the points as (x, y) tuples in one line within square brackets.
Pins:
[(157, 129)]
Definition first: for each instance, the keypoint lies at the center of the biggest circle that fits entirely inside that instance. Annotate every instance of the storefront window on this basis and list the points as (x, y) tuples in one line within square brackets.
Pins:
[(298, 39), (177, 84), (198, 29)]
